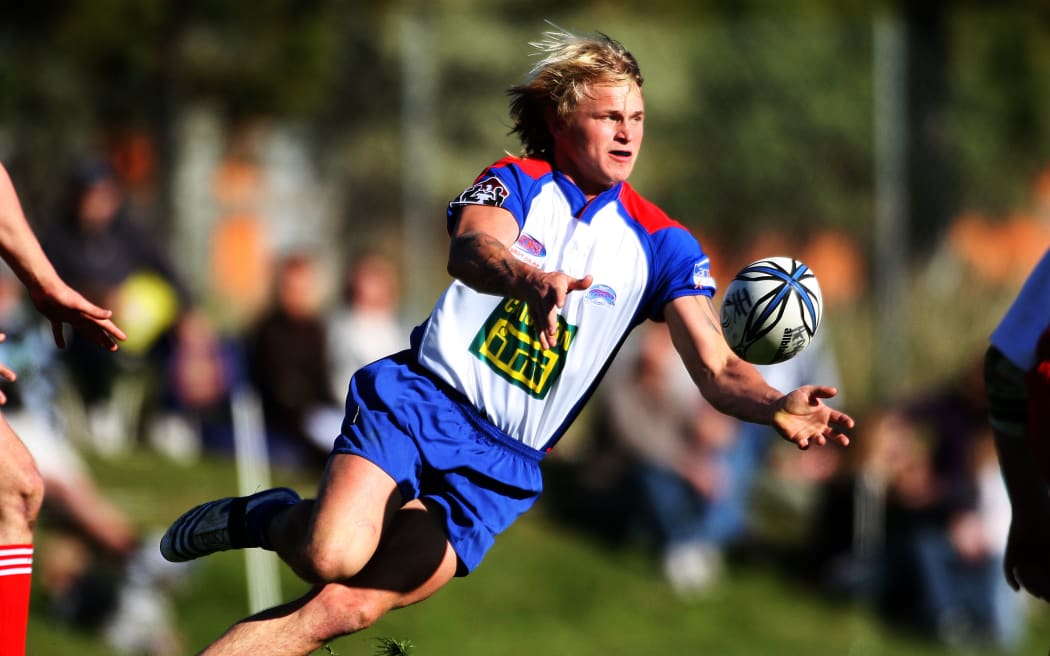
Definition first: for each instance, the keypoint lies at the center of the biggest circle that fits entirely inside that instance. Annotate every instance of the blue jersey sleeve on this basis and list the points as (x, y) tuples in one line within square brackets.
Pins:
[(504, 185), (680, 268)]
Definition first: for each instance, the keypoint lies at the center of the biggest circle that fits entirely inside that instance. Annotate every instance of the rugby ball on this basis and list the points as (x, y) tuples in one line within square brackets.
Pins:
[(771, 310)]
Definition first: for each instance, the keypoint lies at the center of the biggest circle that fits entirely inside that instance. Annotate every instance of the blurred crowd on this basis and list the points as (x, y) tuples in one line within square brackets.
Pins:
[(173, 387), (911, 519)]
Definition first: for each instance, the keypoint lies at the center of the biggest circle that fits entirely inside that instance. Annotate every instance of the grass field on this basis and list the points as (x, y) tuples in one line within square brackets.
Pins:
[(544, 589)]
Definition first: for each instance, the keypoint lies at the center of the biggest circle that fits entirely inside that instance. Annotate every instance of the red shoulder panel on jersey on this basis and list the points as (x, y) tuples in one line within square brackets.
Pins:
[(534, 168), (651, 217)]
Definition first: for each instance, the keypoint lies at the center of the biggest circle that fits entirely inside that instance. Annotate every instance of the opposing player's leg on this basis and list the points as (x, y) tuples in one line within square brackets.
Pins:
[(21, 488), (21, 493), (412, 562)]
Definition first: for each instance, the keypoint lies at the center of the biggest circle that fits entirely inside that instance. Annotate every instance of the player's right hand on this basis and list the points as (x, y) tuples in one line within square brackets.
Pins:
[(549, 290)]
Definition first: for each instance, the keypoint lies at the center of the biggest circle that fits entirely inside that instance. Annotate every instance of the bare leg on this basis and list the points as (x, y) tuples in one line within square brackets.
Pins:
[(413, 560), (21, 489), (21, 493), (332, 538)]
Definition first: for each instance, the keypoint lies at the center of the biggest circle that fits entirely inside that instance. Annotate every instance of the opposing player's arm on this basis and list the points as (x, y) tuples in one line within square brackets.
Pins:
[(479, 255), (1025, 563), (53, 297), (736, 388)]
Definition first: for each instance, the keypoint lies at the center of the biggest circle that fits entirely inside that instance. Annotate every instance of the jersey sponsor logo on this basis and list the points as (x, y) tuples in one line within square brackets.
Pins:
[(531, 245), (529, 250), (601, 295), (507, 343), (490, 191), (702, 274)]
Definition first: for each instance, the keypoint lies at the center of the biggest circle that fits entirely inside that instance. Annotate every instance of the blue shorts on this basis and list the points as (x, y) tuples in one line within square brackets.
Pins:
[(439, 449)]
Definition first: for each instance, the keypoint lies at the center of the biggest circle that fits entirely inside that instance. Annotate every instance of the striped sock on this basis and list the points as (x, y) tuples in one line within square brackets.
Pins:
[(16, 568)]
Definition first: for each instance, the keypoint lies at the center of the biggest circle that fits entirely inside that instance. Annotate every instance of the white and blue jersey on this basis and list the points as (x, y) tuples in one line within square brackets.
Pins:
[(485, 346), (463, 419)]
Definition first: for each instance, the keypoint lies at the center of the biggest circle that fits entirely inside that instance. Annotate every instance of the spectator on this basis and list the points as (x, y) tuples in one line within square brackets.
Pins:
[(913, 527), (677, 443), (365, 326), (288, 366), (202, 370), (935, 526), (846, 532), (100, 247)]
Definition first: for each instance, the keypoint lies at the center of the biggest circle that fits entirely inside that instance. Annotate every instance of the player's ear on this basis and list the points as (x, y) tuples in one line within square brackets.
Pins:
[(555, 123)]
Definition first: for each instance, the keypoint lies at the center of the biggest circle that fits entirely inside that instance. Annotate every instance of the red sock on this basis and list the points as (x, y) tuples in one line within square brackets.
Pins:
[(16, 568)]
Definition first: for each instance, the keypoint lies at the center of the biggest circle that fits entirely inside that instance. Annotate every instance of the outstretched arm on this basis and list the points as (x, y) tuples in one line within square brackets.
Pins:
[(56, 300), (480, 256), (736, 388)]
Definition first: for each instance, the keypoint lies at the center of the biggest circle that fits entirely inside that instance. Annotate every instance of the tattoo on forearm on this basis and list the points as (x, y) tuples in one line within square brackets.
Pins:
[(482, 262), (709, 317)]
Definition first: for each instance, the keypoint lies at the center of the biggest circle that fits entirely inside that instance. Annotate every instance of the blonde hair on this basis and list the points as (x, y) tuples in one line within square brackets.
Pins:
[(570, 66)]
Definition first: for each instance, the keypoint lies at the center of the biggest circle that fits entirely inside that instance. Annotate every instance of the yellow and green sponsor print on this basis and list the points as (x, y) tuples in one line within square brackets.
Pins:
[(508, 344)]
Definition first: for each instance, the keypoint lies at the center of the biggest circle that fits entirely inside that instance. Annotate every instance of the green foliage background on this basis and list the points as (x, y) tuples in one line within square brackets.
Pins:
[(760, 112)]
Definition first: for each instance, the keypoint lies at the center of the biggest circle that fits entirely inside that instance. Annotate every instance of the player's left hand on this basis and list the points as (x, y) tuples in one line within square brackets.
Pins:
[(65, 305), (804, 419)]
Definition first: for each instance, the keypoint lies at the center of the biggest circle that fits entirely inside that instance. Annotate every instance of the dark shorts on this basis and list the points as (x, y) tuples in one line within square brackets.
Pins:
[(439, 449)]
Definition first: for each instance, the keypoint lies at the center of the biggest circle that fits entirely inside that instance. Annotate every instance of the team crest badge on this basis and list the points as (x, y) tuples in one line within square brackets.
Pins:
[(490, 191)]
